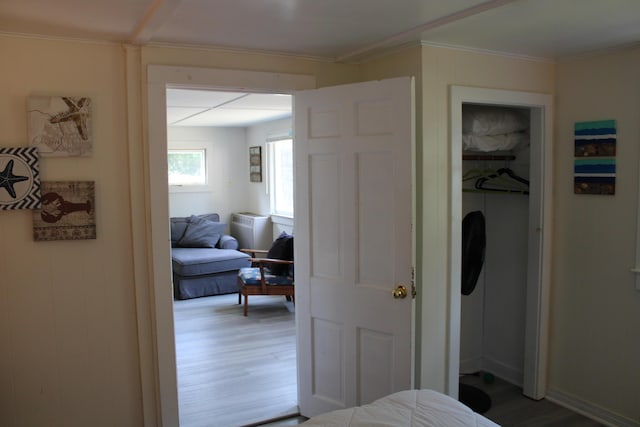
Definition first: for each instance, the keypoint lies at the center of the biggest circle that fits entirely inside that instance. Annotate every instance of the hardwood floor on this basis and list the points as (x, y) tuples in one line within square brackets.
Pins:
[(241, 371), (235, 370), (510, 408)]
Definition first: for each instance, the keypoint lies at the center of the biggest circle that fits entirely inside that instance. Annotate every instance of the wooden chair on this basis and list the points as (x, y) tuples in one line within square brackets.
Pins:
[(259, 280)]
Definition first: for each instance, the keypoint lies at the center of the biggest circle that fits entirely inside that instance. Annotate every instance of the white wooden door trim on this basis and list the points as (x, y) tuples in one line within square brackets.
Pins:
[(160, 78), (537, 317)]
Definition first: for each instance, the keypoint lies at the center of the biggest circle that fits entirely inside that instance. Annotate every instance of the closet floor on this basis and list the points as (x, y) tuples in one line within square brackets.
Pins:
[(510, 408)]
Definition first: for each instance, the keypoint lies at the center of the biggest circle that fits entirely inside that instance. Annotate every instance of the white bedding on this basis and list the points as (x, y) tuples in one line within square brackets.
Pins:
[(486, 143), (411, 408), (486, 128)]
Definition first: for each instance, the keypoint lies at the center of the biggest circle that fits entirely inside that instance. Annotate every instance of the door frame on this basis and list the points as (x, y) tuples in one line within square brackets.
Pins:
[(538, 286), (159, 79)]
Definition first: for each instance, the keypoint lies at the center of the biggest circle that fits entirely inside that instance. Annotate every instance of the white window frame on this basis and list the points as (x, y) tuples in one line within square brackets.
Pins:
[(186, 185), (272, 141)]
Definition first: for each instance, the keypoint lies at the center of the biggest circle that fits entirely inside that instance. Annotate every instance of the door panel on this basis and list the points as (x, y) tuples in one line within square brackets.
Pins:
[(375, 207), (325, 225), (353, 148)]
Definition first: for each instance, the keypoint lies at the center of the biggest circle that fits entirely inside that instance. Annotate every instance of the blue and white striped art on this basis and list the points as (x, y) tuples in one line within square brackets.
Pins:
[(595, 163)]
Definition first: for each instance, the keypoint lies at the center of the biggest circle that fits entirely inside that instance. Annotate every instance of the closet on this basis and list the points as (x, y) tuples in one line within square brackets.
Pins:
[(502, 326), (495, 181)]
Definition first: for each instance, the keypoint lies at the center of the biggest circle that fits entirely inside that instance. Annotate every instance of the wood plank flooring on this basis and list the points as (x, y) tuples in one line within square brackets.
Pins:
[(235, 370), (241, 371), (510, 408)]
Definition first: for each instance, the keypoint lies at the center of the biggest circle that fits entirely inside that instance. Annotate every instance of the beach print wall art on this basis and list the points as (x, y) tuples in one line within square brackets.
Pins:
[(19, 178), (60, 126), (595, 161), (67, 211)]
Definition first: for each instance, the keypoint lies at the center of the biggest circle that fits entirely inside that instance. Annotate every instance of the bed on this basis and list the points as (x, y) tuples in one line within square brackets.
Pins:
[(410, 408)]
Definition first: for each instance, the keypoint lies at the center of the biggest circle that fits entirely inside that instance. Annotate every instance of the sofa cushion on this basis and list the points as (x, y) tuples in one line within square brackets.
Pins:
[(201, 233), (196, 261), (228, 242), (179, 225)]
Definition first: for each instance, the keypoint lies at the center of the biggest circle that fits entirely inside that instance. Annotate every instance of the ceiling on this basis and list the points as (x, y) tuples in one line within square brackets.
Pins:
[(333, 30), (228, 109)]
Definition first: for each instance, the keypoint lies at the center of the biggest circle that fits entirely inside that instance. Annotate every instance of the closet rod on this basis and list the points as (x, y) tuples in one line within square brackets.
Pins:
[(487, 157)]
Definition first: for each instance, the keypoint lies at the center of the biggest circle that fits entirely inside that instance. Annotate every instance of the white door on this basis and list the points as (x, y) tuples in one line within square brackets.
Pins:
[(353, 151)]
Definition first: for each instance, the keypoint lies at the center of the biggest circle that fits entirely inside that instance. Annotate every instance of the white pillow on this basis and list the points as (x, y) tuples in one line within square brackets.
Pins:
[(483, 120)]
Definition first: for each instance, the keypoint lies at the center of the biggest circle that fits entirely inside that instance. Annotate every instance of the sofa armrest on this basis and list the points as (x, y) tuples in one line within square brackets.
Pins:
[(228, 242)]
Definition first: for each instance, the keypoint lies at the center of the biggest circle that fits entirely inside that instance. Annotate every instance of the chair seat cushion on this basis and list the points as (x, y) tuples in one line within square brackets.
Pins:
[(250, 276)]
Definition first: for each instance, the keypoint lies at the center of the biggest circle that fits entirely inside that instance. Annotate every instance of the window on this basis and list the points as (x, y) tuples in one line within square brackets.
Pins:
[(187, 167), (281, 176)]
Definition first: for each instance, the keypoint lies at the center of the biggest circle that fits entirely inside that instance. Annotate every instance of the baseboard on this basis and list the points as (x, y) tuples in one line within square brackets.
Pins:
[(501, 370), (589, 410)]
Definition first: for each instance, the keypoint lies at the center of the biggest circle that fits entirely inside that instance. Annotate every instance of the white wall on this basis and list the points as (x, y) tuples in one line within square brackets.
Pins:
[(77, 317), (228, 177), (595, 345), (442, 68), (257, 195), (68, 337)]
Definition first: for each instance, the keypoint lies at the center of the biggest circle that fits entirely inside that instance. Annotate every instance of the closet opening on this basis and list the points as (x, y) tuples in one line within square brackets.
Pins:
[(500, 141), (495, 186)]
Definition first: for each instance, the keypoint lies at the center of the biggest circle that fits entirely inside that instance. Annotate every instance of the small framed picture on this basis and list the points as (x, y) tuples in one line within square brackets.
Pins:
[(67, 211), (60, 126), (19, 178), (255, 164)]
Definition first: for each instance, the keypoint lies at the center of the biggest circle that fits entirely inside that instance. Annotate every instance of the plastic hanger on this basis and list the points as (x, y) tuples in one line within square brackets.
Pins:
[(503, 180), (477, 173)]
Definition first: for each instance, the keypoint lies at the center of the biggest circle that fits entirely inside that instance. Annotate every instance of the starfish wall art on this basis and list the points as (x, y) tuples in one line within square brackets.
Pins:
[(60, 125), (19, 178)]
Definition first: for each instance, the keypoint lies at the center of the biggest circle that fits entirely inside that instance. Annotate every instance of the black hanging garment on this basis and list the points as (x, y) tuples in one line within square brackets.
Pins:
[(473, 246)]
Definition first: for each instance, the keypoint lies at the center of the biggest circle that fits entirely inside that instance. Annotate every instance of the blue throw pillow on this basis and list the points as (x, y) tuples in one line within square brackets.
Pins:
[(201, 233)]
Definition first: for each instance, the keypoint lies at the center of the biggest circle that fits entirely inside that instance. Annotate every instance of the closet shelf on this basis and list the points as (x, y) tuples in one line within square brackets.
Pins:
[(488, 157)]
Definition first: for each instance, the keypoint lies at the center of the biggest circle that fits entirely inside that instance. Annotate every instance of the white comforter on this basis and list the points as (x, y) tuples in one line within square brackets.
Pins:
[(411, 408)]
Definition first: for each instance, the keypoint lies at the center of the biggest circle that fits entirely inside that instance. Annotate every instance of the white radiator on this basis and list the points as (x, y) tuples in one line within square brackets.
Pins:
[(251, 230)]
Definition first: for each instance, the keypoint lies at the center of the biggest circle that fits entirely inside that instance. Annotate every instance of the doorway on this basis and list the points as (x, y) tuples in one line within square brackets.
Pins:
[(159, 79), (223, 358), (530, 370)]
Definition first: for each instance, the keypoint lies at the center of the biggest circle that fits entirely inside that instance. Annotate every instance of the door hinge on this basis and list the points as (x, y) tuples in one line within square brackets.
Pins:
[(413, 282)]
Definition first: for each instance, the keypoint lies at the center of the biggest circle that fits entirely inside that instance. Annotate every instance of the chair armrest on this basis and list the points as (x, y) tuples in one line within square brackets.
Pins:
[(270, 261), (254, 252), (227, 242), (270, 264)]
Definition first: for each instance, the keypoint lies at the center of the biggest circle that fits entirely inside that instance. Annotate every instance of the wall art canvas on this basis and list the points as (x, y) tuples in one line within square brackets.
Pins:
[(595, 162), (67, 211), (255, 164), (60, 126), (19, 178)]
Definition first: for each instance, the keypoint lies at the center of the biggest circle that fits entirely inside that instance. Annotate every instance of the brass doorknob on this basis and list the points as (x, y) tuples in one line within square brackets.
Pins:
[(400, 292)]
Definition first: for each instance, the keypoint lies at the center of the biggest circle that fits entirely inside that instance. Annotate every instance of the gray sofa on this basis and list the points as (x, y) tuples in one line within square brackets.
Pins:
[(204, 260)]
